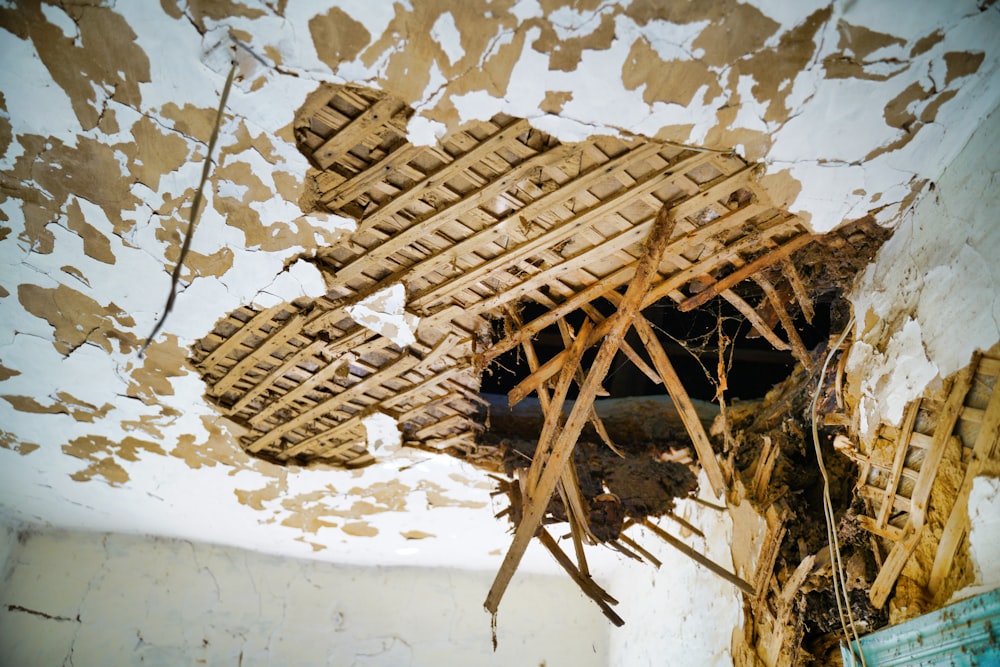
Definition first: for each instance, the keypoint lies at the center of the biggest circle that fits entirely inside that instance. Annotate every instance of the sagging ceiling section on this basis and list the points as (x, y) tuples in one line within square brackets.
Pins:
[(496, 215)]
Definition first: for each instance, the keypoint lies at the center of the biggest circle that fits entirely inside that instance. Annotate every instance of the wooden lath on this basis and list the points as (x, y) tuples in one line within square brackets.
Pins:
[(932, 425), (496, 214)]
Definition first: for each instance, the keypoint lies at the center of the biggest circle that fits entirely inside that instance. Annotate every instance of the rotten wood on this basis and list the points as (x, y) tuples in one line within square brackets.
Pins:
[(550, 467)]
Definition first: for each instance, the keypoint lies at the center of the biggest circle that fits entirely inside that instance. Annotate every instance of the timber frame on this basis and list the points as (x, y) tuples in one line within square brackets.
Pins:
[(496, 214)]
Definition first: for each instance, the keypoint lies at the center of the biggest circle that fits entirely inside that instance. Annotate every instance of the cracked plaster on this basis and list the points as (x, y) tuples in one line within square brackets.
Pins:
[(97, 169)]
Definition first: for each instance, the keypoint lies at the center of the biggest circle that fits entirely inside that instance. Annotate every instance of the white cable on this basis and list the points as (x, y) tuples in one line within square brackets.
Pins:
[(831, 531)]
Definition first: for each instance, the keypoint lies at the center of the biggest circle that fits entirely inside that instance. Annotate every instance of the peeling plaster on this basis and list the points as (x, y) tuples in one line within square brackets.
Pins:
[(810, 88)]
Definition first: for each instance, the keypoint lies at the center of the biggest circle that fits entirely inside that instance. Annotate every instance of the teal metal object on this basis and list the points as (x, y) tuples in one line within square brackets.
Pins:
[(964, 634)]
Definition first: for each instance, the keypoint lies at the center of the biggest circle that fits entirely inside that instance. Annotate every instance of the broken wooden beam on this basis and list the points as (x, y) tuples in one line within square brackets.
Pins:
[(562, 449)]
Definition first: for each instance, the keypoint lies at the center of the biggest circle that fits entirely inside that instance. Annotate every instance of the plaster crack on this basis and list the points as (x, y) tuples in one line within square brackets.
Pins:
[(42, 614)]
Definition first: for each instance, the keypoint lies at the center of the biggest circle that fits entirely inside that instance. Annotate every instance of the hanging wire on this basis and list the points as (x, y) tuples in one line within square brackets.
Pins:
[(175, 277), (839, 580)]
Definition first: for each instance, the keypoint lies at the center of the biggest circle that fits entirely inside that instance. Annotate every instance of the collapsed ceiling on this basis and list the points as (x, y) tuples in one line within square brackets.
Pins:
[(433, 214)]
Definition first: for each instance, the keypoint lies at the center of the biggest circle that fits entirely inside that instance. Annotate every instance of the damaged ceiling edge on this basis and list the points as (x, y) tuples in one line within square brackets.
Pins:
[(175, 40)]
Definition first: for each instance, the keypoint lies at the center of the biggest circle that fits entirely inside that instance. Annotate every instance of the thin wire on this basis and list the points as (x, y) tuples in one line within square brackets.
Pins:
[(831, 532), (175, 277)]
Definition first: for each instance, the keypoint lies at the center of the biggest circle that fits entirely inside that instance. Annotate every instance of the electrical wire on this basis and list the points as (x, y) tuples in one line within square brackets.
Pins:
[(175, 277), (839, 580)]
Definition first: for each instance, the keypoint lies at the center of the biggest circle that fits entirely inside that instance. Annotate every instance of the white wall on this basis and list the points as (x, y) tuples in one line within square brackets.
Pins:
[(932, 296), (97, 599), (681, 614)]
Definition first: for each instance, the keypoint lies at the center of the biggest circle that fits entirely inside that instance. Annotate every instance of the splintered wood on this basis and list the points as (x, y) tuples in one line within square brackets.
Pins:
[(964, 419), (497, 215)]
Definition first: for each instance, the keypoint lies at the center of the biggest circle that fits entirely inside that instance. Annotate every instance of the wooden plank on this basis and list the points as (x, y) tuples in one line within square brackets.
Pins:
[(759, 325), (587, 585), (418, 230), (360, 334), (463, 249), (710, 565), (395, 368), (801, 294), (656, 292), (682, 401), (893, 565), (957, 525), (209, 363), (553, 415), (290, 362), (889, 532), (745, 272), (798, 347), (569, 484), (614, 280), (347, 191), (562, 449), (351, 135), (279, 336), (565, 230), (899, 460)]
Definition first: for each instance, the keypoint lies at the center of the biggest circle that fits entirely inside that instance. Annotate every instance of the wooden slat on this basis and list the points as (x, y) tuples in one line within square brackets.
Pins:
[(561, 232), (209, 363), (396, 367), (957, 525), (352, 134), (290, 362), (899, 460), (465, 248), (798, 347), (279, 336), (745, 272), (564, 444)]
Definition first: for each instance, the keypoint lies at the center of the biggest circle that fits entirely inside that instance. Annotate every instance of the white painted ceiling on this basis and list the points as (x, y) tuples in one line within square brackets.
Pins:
[(852, 107)]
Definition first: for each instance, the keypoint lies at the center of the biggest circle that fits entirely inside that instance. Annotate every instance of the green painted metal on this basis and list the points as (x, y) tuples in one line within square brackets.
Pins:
[(964, 634)]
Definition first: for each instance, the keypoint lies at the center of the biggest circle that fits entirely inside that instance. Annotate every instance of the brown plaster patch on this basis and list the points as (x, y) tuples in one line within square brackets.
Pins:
[(13, 443), (360, 529), (95, 244), (103, 56), (36, 220), (154, 153), (316, 546), (101, 452), (88, 171), (783, 189), (338, 37), (436, 496), (76, 273), (771, 67), (7, 373), (417, 535), (6, 130), (565, 54), (78, 319), (862, 41), (171, 231), (255, 498), (190, 120), (736, 30), (555, 100), (65, 404), (390, 496), (675, 82), (962, 63), (926, 43), (164, 359), (198, 11), (219, 448)]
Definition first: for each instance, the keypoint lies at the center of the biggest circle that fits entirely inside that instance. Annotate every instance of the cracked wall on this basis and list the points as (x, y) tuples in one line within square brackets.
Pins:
[(104, 122), (189, 603), (932, 296)]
